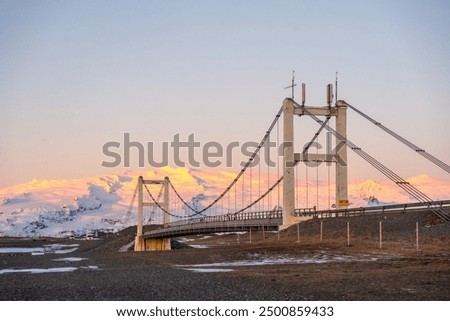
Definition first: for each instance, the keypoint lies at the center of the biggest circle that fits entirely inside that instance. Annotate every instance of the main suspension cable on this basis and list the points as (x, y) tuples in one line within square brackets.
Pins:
[(159, 205), (414, 147), (242, 171), (183, 201)]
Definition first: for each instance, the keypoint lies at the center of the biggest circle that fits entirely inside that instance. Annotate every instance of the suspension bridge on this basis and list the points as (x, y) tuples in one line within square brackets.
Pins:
[(271, 196)]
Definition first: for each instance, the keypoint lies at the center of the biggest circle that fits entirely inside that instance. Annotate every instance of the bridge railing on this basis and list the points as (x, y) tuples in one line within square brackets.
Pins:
[(401, 208), (245, 216), (272, 219), (302, 212)]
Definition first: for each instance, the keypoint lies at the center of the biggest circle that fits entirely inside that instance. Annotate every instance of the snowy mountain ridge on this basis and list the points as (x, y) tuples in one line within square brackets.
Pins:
[(100, 203)]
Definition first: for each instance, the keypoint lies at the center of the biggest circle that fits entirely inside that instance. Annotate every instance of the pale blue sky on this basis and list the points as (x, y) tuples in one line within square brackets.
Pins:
[(76, 74)]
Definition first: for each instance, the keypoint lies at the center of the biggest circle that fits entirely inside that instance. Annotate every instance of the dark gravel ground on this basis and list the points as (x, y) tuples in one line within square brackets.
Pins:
[(122, 276), (397, 272)]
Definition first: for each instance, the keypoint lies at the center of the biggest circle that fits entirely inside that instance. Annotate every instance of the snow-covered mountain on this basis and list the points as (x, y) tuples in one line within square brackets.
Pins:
[(80, 206), (62, 207), (100, 203)]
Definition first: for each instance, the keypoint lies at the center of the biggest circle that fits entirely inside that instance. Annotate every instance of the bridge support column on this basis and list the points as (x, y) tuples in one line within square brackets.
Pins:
[(139, 244), (341, 151), (288, 164), (166, 220)]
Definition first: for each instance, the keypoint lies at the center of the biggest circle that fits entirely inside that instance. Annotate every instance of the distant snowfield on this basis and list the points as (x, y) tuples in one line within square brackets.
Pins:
[(79, 206)]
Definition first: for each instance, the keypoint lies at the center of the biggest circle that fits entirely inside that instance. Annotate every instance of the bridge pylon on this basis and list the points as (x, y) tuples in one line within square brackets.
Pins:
[(338, 155), (141, 244), (341, 153), (288, 164)]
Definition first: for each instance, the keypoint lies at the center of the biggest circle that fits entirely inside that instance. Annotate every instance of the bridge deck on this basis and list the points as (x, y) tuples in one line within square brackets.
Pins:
[(213, 227), (271, 220)]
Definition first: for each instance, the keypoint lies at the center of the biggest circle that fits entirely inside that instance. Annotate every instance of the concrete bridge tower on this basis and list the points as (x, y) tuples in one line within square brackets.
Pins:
[(291, 109), (141, 244)]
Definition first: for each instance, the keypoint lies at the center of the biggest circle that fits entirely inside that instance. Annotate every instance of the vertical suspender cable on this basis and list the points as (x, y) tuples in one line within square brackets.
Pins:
[(317, 174), (251, 183), (268, 179), (306, 184), (259, 182), (296, 187), (243, 190), (235, 198), (221, 207), (278, 162), (229, 192), (329, 187)]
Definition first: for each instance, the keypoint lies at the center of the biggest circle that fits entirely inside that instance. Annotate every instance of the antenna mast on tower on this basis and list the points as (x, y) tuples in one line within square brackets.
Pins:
[(336, 83), (293, 84)]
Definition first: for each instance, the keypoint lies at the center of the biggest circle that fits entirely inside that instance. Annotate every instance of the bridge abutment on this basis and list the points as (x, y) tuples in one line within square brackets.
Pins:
[(156, 244)]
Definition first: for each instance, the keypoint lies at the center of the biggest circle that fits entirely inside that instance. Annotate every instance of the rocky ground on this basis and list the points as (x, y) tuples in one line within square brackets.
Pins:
[(229, 267)]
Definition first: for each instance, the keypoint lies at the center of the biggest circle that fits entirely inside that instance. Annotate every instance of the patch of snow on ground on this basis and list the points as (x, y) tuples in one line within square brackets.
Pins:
[(200, 246), (49, 270), (21, 249), (273, 260), (60, 248), (51, 248), (70, 259), (35, 271), (90, 267), (208, 270)]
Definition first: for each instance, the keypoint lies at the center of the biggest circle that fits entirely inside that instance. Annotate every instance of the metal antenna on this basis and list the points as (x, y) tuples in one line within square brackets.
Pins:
[(336, 83), (329, 94), (303, 94), (293, 84)]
